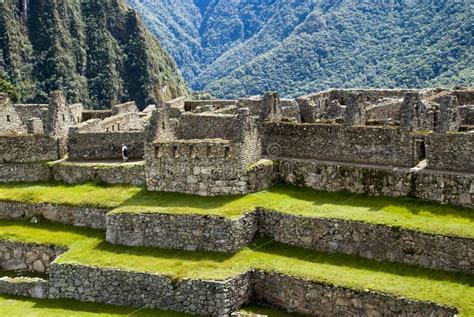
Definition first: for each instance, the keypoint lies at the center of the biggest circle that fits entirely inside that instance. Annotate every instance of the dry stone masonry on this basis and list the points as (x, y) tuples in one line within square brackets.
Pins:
[(416, 143)]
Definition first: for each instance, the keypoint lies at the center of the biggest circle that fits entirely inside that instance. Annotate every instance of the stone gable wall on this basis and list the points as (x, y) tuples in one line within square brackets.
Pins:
[(10, 121)]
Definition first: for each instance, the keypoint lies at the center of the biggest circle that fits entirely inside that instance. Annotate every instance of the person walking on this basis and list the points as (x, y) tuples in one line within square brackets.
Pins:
[(124, 153)]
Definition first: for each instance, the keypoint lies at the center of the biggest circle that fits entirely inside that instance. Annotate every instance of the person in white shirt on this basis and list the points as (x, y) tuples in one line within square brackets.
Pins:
[(124, 153)]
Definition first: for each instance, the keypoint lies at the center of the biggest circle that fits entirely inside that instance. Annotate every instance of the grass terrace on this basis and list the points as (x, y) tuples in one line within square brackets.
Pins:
[(13, 306), (405, 213), (24, 307), (88, 247)]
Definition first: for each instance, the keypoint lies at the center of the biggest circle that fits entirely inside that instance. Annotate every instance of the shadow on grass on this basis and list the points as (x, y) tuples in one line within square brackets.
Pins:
[(77, 307)]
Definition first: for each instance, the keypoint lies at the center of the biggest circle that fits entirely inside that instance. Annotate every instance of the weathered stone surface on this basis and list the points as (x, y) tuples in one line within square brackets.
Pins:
[(217, 234), (186, 232), (76, 216), (209, 298), (314, 299), (25, 287), (15, 256)]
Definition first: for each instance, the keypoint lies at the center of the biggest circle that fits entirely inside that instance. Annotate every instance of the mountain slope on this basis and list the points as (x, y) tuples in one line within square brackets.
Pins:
[(98, 52), (243, 47)]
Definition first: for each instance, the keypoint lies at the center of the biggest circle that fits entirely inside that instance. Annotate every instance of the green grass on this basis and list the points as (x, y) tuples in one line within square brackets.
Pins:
[(14, 306), (71, 195), (399, 212), (25, 307), (87, 247)]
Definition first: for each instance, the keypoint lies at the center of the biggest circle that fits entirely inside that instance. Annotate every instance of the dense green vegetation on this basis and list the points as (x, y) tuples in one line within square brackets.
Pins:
[(98, 52), (87, 247), (10, 90), (401, 212), (238, 48)]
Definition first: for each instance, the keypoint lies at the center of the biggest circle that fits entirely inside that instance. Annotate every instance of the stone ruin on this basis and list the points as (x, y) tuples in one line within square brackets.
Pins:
[(417, 143), (222, 147)]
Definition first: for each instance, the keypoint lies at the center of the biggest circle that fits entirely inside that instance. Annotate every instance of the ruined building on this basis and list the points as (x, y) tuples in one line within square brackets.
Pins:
[(379, 142)]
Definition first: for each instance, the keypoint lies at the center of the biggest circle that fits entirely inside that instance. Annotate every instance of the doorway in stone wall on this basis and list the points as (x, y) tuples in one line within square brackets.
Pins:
[(420, 149)]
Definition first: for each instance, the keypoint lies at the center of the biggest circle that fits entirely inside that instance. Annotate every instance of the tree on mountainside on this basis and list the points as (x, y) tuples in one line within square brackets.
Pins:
[(8, 88)]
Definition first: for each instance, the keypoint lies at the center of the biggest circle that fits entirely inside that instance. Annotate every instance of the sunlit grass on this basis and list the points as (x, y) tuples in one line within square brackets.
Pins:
[(87, 247), (399, 212), (25, 307)]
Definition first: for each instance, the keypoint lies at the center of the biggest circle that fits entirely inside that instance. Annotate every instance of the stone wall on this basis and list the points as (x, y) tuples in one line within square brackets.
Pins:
[(450, 151), (117, 287), (385, 112), (24, 172), (24, 287), (103, 146), (24, 257), (10, 121), (217, 234), (445, 188), (467, 115), (316, 299), (76, 216), (28, 148), (376, 145), (124, 108), (76, 173), (185, 232), (355, 178), (378, 242)]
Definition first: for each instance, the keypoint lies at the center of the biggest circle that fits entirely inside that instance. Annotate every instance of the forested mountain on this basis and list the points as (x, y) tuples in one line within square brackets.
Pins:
[(97, 51), (233, 48)]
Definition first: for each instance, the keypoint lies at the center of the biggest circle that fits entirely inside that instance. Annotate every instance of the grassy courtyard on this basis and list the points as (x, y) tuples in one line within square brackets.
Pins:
[(400, 212), (87, 247)]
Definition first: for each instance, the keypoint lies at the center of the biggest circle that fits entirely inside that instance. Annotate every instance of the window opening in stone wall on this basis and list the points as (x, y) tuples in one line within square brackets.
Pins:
[(191, 149), (118, 126), (163, 127), (208, 151), (175, 151), (8, 118), (226, 151)]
